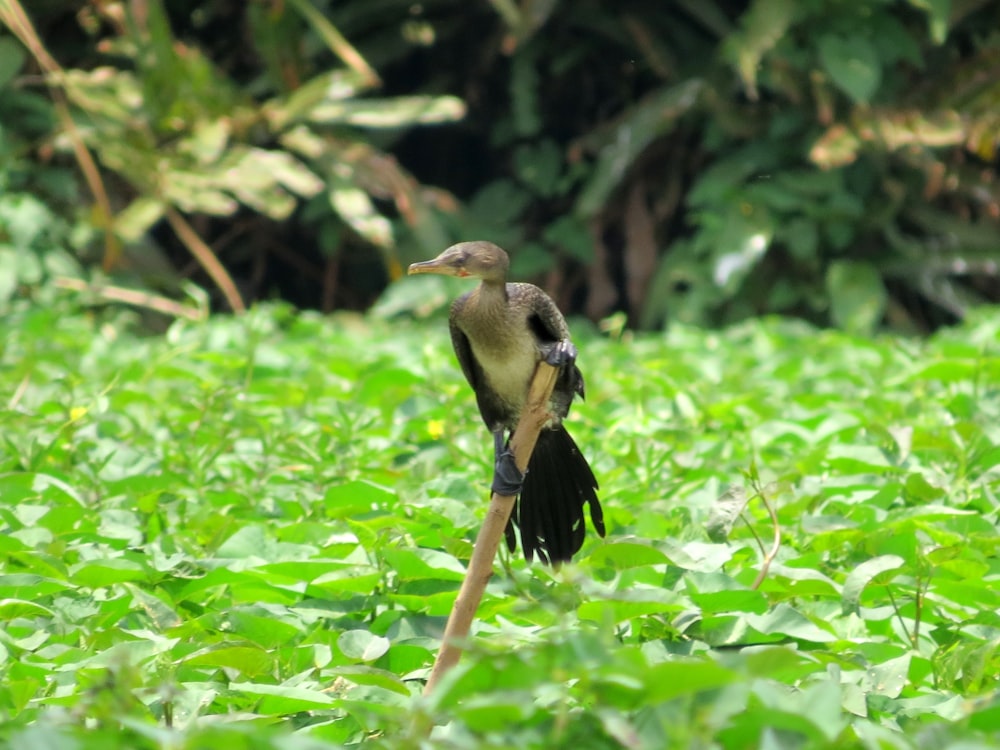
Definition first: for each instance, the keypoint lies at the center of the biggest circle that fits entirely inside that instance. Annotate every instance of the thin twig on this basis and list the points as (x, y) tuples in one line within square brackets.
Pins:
[(19, 391), (133, 297), (337, 43), (921, 599), (208, 260), (17, 20), (522, 443), (775, 545), (899, 615)]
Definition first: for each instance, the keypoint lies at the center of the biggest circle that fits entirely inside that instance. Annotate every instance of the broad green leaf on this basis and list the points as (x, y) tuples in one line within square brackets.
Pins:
[(100, 573), (730, 601), (250, 541), (362, 645), (488, 713), (864, 574), (888, 678), (568, 235), (857, 295), (356, 498), (853, 64), (623, 555), (672, 679), (939, 13), (620, 610), (762, 27), (13, 608), (787, 621), (284, 699), (416, 564), (27, 585), (12, 57), (249, 660), (363, 675)]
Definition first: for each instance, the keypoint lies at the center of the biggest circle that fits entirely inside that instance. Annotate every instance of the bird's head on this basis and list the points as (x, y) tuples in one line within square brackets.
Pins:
[(480, 260)]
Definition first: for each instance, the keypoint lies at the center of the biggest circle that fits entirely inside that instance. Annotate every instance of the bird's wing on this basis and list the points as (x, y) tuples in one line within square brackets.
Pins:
[(544, 318), (549, 327), (460, 343)]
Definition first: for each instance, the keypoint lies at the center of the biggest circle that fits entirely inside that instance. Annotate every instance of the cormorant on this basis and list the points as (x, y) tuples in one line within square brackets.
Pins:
[(500, 331)]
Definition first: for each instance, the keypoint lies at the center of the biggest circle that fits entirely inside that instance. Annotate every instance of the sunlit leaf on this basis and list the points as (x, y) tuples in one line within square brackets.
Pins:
[(859, 578), (389, 113)]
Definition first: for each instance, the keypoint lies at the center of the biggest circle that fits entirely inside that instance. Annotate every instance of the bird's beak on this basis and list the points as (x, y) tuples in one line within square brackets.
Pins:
[(439, 266)]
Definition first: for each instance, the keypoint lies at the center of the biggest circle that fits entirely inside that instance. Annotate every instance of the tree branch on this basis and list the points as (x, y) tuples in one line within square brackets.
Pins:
[(522, 443)]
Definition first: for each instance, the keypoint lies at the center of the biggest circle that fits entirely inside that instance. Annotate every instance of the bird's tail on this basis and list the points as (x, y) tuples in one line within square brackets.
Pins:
[(549, 513)]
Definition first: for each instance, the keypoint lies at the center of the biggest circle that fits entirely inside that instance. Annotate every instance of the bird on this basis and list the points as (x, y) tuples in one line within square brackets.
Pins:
[(500, 332)]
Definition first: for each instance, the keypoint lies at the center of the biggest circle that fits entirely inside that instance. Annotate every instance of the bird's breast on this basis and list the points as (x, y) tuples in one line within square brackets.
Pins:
[(508, 367)]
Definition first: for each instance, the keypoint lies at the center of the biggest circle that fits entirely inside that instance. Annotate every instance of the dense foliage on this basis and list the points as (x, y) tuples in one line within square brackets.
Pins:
[(247, 534), (699, 161)]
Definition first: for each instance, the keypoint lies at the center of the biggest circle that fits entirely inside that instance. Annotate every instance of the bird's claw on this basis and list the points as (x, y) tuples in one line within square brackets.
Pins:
[(507, 478), (563, 353)]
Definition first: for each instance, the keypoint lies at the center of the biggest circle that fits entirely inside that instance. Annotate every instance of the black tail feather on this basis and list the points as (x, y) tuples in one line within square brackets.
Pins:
[(549, 512)]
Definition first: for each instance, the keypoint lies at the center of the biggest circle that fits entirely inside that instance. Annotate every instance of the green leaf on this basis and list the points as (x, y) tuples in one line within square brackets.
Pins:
[(864, 574), (622, 555), (398, 112), (673, 679), (416, 564), (283, 699), (888, 678), (726, 511), (853, 64), (651, 118), (762, 26), (249, 660), (539, 166), (362, 675), (356, 498), (100, 573), (787, 621), (12, 57), (362, 645), (568, 235), (857, 295), (14, 608), (939, 14), (354, 206)]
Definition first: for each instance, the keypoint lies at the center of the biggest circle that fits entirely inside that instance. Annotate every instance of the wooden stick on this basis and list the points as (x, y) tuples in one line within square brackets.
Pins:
[(522, 443)]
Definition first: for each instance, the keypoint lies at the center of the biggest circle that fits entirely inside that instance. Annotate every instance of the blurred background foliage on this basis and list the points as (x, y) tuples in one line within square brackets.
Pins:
[(695, 160)]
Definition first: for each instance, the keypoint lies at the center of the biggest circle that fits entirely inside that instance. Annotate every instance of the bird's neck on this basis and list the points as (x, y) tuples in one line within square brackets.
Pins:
[(488, 316), (492, 295)]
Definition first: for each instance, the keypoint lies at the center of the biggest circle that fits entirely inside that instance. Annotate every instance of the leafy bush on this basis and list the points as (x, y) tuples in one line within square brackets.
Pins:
[(712, 161), (248, 533), (699, 162)]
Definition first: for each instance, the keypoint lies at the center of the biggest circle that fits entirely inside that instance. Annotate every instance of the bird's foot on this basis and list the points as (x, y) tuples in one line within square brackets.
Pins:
[(507, 478), (563, 353)]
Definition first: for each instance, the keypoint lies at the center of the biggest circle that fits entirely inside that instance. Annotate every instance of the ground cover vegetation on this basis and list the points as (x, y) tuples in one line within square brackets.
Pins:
[(702, 160), (247, 533)]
